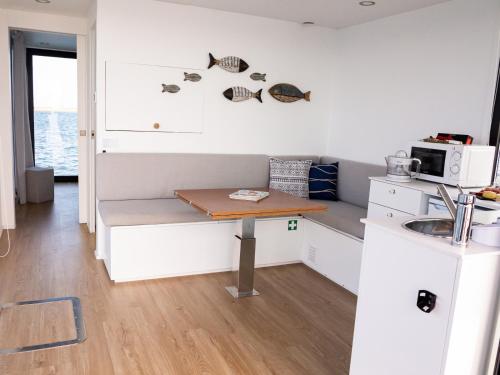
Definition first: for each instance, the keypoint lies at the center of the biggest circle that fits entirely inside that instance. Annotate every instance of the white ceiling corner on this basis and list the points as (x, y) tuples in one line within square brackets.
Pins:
[(75, 8), (327, 13)]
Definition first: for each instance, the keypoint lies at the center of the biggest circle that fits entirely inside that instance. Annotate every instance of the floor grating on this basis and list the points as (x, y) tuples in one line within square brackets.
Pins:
[(41, 324)]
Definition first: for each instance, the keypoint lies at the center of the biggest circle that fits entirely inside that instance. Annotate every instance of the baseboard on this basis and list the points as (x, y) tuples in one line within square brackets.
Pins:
[(206, 272)]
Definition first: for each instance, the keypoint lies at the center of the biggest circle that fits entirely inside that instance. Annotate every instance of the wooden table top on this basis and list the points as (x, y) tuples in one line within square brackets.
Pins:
[(217, 204)]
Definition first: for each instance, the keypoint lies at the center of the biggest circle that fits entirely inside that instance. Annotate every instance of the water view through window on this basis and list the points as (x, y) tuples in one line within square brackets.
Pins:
[(55, 116)]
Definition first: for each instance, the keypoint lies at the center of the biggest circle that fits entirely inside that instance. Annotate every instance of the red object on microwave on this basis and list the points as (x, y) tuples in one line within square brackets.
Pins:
[(465, 139)]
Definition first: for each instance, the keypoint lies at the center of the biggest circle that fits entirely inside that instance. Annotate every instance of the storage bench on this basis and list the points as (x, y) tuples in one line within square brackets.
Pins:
[(144, 232)]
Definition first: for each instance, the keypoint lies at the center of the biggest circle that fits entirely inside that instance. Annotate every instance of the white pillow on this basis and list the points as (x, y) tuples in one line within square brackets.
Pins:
[(290, 176)]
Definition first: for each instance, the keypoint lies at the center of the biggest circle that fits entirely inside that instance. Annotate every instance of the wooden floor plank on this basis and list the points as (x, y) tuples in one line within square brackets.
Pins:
[(301, 324)]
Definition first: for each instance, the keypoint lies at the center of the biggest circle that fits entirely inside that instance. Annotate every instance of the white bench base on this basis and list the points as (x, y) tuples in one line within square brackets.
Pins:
[(145, 252), (156, 251), (334, 254)]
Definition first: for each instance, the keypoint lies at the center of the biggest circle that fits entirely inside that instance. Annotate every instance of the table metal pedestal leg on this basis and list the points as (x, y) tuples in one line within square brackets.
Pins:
[(245, 273)]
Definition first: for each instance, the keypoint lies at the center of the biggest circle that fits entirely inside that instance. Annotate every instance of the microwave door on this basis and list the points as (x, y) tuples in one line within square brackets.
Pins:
[(433, 161)]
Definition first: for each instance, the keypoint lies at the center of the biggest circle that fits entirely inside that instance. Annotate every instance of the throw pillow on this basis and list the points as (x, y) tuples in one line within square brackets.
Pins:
[(323, 181), (290, 176)]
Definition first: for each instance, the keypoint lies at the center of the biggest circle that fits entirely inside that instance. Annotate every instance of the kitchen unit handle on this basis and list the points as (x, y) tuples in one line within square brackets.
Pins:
[(392, 191), (426, 301), (390, 214)]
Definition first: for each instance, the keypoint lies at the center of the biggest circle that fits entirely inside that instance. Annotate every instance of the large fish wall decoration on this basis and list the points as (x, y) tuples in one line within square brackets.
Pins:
[(193, 77), (287, 93), (239, 94), (258, 76), (170, 88), (229, 63)]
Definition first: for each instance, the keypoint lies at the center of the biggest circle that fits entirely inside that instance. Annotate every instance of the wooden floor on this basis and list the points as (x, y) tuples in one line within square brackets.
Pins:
[(301, 324)]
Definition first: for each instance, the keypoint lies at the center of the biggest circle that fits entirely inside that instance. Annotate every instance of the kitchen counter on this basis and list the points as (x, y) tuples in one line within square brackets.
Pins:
[(443, 245)]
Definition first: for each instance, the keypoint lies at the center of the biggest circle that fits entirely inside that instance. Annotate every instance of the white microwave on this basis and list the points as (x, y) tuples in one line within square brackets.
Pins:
[(464, 165)]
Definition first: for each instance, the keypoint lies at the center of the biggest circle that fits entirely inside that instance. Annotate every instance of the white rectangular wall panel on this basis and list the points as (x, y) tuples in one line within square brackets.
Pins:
[(135, 101)]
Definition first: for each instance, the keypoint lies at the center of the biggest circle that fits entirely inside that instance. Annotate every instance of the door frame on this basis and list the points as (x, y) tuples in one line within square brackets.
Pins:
[(85, 166), (91, 132), (30, 52), (33, 21)]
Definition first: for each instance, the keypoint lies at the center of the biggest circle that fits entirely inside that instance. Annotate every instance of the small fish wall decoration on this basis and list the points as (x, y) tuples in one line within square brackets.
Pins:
[(170, 88), (287, 93), (230, 63), (258, 76), (193, 77), (239, 94)]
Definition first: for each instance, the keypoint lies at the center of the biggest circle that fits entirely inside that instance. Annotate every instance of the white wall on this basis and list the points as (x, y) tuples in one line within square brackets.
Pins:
[(165, 34), (6, 167), (409, 76), (29, 21)]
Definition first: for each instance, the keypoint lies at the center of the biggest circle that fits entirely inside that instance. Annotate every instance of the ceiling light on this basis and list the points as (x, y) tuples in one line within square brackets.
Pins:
[(43, 1), (367, 3)]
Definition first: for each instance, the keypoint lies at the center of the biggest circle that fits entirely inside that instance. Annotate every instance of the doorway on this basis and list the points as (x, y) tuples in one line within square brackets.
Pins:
[(45, 94)]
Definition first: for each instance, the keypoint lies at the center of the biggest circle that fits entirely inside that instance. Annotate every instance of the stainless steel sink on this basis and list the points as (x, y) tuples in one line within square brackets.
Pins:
[(442, 228)]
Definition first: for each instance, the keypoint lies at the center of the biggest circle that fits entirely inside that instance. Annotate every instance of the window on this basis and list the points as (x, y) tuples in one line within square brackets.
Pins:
[(52, 79), (495, 132)]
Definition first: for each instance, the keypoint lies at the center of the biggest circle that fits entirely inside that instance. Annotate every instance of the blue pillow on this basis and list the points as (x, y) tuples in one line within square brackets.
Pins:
[(323, 181)]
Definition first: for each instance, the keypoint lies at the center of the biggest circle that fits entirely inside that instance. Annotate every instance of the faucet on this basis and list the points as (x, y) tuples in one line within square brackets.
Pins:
[(460, 213)]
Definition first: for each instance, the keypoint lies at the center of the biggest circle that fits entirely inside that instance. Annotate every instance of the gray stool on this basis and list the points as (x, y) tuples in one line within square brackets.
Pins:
[(40, 184)]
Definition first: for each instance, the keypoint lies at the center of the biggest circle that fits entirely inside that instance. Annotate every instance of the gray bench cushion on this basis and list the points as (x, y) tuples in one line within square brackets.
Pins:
[(122, 176), (353, 185), (342, 216), (148, 212)]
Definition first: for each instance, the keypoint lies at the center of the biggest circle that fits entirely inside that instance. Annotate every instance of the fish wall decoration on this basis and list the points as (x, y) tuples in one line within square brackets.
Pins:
[(229, 63), (170, 88), (239, 94), (287, 93), (258, 76), (193, 77)]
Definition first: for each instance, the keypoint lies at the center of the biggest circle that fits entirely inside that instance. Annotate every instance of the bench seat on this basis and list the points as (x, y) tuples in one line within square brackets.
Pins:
[(148, 212), (342, 216)]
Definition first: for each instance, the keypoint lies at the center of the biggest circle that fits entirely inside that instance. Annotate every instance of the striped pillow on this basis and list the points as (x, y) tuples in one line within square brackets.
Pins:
[(290, 176), (323, 181)]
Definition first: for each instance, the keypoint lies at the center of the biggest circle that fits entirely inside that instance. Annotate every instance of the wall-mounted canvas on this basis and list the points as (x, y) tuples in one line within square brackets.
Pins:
[(135, 101)]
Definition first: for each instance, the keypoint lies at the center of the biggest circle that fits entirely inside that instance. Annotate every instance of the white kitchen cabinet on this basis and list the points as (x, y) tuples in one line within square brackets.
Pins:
[(392, 335), (377, 211), (404, 199), (135, 101)]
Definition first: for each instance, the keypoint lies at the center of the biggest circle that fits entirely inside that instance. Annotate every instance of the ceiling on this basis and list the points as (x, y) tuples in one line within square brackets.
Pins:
[(66, 7), (55, 41), (329, 13)]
